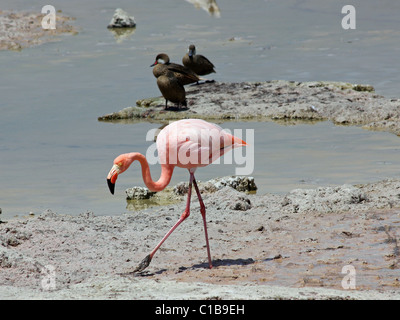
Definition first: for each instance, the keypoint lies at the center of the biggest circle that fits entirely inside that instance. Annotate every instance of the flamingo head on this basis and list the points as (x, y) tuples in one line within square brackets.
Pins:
[(121, 163)]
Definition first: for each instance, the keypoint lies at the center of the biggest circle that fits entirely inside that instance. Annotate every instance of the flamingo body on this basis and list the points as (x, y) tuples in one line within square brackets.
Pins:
[(193, 143)]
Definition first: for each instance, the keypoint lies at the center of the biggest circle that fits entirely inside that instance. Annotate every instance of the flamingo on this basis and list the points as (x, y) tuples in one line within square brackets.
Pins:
[(189, 144)]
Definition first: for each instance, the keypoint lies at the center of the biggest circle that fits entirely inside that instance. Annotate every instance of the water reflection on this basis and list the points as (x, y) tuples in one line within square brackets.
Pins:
[(122, 34), (208, 5), (162, 198)]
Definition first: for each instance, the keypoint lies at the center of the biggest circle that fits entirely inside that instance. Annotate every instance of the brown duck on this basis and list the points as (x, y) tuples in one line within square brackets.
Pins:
[(197, 63), (183, 74), (171, 89)]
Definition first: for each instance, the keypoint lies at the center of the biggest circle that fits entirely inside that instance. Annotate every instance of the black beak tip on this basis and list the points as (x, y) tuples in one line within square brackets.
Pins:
[(111, 186)]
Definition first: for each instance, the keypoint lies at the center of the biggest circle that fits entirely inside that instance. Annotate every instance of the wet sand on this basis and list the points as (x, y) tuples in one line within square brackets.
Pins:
[(292, 246)]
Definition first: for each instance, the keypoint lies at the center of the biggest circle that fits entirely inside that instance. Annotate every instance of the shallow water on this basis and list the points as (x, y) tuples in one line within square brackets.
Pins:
[(55, 154)]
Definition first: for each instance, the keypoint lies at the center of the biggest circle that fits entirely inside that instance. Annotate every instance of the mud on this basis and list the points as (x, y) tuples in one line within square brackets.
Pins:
[(19, 30), (340, 102), (290, 246)]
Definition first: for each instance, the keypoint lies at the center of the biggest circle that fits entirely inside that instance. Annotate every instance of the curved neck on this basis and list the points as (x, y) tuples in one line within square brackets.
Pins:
[(166, 173)]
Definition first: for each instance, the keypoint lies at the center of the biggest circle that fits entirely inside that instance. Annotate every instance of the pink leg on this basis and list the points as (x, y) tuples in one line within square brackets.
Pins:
[(146, 261), (203, 214)]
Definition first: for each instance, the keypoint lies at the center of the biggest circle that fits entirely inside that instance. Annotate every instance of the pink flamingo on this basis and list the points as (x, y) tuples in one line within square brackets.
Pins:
[(189, 144)]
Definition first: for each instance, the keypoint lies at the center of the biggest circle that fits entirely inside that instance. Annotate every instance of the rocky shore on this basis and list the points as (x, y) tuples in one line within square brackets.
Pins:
[(19, 30), (291, 246), (340, 102)]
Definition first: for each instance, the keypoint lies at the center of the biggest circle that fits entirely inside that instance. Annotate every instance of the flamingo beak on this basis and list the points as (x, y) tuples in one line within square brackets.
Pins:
[(112, 177)]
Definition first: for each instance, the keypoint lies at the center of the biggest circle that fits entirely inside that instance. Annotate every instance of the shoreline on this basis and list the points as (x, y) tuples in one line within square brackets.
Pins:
[(277, 100), (20, 30), (292, 246)]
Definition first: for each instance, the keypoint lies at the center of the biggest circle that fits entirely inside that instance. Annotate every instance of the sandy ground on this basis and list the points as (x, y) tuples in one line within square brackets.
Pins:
[(292, 246), (20, 30)]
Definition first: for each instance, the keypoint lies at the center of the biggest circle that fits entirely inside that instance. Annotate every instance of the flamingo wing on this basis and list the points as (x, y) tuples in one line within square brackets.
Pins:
[(195, 143)]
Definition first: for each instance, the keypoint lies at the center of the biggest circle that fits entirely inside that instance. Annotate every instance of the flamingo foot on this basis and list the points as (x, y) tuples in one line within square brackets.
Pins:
[(143, 264)]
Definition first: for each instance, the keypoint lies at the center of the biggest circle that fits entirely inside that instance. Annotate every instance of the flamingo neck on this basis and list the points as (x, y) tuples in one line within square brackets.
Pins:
[(163, 181)]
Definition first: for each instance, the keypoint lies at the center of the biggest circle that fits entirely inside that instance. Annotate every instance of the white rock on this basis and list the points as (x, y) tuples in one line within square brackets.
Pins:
[(121, 19)]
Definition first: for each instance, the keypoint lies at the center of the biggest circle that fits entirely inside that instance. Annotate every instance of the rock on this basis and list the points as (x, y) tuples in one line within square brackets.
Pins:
[(340, 102), (47, 214), (239, 183), (150, 102), (182, 188), (14, 237), (363, 87), (121, 19), (87, 215), (323, 199), (229, 198), (19, 30), (240, 203), (138, 193)]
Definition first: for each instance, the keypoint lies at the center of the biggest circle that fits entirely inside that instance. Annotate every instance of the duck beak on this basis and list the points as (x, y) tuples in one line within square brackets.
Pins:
[(190, 53), (238, 142), (112, 177), (154, 64)]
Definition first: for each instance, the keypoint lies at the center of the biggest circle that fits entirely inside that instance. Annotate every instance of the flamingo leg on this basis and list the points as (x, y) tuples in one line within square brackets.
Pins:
[(146, 261), (203, 214)]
